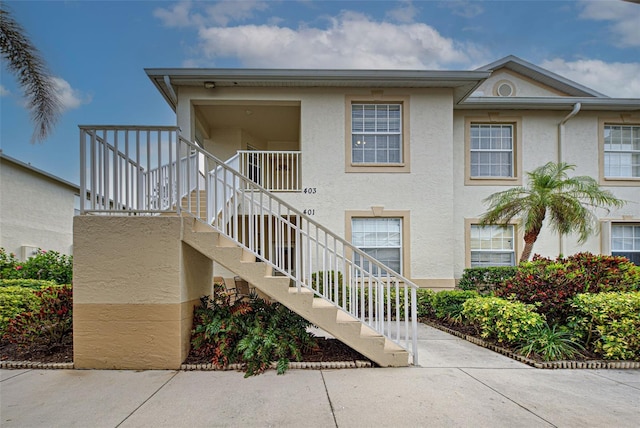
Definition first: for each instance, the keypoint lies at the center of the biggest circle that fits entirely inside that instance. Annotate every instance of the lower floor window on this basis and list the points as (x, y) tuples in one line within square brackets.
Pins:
[(492, 246), (625, 241), (381, 238)]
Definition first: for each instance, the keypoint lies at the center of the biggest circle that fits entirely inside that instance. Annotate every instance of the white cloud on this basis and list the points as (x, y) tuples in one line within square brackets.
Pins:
[(405, 13), (464, 8), (340, 45), (69, 98), (624, 17), (4, 91), (223, 12), (179, 15), (616, 79), (220, 13)]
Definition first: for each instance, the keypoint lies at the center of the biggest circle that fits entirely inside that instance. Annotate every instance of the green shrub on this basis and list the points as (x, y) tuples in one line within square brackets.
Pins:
[(551, 284), (9, 265), (49, 325), (44, 265), (49, 265), (448, 304), (34, 284), (550, 343), (485, 279), (253, 333), (609, 323), (13, 301), (425, 302), (502, 320)]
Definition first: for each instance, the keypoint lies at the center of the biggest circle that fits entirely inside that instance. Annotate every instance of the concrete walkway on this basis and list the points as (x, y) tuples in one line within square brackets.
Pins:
[(458, 384)]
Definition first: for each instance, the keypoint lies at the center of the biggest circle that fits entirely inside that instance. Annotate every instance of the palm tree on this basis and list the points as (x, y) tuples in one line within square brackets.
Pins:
[(567, 200), (24, 60)]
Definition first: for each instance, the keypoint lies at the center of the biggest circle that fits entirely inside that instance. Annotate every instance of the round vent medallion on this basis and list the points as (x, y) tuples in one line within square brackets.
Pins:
[(505, 89)]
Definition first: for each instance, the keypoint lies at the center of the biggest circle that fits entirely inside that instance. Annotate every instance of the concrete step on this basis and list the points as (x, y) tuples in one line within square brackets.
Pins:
[(318, 311)]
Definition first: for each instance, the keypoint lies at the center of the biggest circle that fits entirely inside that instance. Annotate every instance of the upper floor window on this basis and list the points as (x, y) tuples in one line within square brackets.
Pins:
[(491, 147), (625, 241), (492, 246), (376, 133), (622, 151), (493, 150)]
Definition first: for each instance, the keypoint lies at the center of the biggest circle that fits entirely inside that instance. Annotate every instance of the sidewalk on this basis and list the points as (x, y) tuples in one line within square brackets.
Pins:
[(458, 384)]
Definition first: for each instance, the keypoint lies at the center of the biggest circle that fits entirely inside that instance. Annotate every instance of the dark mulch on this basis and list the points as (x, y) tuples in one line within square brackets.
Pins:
[(37, 353), (327, 350)]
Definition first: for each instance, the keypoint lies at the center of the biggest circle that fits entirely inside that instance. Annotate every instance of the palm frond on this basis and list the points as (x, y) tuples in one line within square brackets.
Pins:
[(25, 62)]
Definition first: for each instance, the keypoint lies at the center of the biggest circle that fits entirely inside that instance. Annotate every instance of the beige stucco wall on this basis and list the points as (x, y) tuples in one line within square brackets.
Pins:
[(434, 191), (134, 292), (539, 146), (35, 211)]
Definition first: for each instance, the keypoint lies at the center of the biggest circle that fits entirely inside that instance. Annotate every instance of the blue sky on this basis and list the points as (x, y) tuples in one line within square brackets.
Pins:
[(97, 50)]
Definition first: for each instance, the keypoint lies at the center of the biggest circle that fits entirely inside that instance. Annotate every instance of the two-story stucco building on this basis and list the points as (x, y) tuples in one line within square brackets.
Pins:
[(413, 154), (340, 170)]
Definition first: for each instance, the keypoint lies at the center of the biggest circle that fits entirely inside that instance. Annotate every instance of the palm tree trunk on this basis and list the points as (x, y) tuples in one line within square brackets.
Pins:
[(529, 239)]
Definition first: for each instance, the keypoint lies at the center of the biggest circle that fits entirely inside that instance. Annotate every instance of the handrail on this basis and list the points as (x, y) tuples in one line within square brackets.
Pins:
[(287, 240)]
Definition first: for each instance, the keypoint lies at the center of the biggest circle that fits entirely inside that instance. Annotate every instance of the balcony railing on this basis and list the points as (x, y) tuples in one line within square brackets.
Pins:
[(276, 171)]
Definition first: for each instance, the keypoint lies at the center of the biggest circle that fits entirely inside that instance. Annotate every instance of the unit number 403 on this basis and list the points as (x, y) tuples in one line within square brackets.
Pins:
[(310, 190)]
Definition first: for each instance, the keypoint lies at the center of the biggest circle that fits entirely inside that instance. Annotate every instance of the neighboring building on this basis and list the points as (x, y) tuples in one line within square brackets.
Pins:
[(354, 167), (36, 209)]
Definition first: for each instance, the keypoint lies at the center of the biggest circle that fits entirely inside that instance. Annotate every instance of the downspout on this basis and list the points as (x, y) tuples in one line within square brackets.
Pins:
[(576, 109)]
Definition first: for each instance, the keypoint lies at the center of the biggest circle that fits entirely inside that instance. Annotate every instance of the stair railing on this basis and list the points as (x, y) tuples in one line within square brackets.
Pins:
[(310, 255), (114, 175)]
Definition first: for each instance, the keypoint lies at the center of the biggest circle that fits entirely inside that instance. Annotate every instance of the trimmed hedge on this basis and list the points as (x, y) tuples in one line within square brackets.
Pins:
[(503, 320), (34, 284), (609, 323), (448, 304), (18, 296), (486, 279), (15, 300)]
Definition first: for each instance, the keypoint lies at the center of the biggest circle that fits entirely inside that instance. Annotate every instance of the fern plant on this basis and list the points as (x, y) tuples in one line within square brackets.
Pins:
[(254, 333)]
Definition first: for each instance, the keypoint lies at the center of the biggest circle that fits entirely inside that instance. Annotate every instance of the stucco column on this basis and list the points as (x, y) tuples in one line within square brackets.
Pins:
[(135, 285)]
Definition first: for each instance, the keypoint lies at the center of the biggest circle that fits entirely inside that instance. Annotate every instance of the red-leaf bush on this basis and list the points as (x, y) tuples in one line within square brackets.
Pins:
[(551, 284), (50, 326)]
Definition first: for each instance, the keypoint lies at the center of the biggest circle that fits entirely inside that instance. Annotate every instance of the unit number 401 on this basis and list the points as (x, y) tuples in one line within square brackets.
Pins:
[(309, 212)]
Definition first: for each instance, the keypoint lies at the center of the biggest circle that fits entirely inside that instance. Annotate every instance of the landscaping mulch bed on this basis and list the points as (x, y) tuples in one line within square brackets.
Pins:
[(36, 353), (328, 350), (587, 360)]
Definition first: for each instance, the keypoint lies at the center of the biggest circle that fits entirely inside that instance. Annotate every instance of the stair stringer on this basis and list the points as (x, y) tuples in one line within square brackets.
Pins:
[(319, 312)]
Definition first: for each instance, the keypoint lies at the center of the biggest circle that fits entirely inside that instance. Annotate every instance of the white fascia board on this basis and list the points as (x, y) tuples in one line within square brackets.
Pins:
[(550, 103)]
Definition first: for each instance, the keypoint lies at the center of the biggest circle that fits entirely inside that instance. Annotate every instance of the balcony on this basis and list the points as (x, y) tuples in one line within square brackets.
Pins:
[(276, 171)]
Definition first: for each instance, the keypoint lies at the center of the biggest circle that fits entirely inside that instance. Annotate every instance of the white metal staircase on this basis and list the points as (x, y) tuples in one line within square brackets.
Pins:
[(253, 233)]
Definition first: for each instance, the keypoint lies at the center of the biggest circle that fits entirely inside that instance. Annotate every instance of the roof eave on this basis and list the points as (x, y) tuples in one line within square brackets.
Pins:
[(551, 103), (463, 82)]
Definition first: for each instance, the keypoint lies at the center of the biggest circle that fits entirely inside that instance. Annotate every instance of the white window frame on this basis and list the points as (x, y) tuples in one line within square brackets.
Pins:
[(360, 136), (474, 233), (615, 151), (491, 150), (625, 239), (363, 246)]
